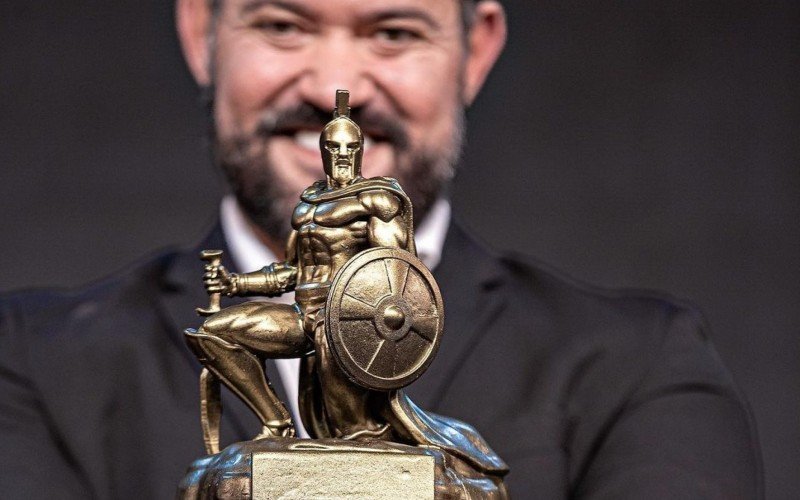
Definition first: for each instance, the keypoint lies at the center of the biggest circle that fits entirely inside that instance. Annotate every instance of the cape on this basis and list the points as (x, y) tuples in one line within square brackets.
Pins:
[(454, 436)]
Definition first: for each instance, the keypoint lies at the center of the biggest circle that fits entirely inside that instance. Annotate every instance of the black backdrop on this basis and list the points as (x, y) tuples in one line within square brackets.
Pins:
[(636, 144)]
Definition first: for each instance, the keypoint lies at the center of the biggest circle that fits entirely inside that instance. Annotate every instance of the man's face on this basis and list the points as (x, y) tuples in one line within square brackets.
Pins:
[(275, 70), (271, 68)]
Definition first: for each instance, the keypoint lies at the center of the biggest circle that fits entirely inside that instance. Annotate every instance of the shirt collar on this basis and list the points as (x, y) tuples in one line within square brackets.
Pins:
[(250, 254)]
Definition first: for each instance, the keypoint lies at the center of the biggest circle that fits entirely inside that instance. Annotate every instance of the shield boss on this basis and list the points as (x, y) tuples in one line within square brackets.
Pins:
[(384, 318)]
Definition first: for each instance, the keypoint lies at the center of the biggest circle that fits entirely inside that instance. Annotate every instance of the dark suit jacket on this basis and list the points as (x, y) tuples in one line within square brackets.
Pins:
[(586, 393)]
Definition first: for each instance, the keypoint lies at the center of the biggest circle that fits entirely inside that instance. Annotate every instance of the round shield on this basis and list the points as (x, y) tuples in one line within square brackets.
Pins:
[(384, 318)]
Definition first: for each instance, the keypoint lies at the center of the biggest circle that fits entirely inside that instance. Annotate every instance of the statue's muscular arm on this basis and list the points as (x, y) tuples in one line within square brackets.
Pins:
[(386, 226), (272, 280)]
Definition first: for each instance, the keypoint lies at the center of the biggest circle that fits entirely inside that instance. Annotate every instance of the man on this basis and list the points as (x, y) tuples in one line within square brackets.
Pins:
[(583, 392)]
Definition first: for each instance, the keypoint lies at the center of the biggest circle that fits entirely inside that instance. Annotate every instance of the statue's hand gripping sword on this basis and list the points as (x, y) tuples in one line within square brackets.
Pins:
[(214, 260)]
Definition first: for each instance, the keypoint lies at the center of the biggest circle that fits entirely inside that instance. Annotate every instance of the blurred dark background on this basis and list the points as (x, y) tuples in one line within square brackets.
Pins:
[(633, 144)]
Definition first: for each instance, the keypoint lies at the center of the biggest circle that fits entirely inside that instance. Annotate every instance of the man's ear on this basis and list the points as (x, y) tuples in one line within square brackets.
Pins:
[(193, 19), (485, 42)]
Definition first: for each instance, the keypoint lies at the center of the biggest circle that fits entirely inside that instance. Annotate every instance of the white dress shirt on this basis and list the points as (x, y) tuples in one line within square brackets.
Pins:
[(250, 254)]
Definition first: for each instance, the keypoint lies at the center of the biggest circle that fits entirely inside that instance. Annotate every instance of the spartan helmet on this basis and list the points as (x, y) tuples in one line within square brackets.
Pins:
[(341, 144)]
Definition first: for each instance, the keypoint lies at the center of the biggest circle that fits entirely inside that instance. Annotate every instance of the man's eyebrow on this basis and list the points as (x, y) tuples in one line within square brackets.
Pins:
[(383, 15), (252, 5), (409, 13)]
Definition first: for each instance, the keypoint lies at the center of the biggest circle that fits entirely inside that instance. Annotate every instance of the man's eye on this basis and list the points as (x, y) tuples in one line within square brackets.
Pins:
[(278, 28), (396, 35)]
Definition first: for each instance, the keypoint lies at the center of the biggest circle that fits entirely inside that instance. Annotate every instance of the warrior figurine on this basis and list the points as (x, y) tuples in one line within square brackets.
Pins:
[(347, 391)]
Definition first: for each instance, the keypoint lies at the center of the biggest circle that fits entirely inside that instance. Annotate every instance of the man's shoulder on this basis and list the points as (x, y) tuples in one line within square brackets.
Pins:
[(572, 299), (631, 339), (565, 314), (553, 303), (546, 317), (47, 311)]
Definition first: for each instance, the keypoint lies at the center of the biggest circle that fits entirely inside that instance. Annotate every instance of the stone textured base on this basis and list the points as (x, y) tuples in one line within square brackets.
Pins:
[(342, 470)]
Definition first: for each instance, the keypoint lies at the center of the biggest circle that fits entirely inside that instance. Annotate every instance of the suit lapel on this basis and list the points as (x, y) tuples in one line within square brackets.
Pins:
[(181, 292), (470, 278)]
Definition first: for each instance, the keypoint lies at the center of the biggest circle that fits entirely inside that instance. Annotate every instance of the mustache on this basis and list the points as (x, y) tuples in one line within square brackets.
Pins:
[(378, 125)]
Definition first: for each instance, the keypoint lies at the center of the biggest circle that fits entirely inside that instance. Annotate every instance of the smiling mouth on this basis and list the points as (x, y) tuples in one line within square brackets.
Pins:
[(309, 140)]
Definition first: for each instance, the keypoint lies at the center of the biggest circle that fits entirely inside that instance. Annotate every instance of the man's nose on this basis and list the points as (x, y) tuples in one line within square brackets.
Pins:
[(343, 150), (337, 63)]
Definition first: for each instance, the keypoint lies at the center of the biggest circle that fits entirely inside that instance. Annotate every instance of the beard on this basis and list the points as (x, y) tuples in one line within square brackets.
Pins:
[(423, 172)]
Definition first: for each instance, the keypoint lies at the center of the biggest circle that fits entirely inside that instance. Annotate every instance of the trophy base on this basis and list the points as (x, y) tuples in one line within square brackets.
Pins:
[(322, 468), (343, 470)]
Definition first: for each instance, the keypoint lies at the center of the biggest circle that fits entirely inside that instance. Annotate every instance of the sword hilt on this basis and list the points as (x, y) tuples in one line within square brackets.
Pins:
[(214, 260)]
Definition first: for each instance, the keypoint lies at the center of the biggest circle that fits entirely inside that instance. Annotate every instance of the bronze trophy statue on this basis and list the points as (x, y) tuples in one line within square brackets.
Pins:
[(367, 321)]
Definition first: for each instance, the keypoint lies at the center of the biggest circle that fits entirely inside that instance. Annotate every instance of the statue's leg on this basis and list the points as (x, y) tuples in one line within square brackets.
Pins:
[(352, 411), (229, 344), (242, 372), (264, 328)]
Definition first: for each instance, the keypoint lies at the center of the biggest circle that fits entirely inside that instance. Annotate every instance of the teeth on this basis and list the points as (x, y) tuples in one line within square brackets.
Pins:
[(307, 139), (310, 140)]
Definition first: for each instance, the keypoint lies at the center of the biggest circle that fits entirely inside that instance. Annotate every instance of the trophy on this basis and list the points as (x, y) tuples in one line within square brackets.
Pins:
[(367, 321)]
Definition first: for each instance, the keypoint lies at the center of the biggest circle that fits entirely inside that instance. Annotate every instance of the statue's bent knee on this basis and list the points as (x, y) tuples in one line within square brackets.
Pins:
[(265, 328), (242, 372)]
